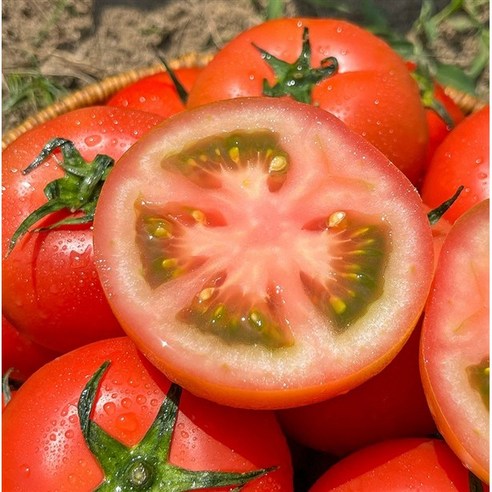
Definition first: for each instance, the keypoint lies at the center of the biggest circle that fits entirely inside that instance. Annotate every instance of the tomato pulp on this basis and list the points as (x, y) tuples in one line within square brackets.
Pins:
[(262, 254)]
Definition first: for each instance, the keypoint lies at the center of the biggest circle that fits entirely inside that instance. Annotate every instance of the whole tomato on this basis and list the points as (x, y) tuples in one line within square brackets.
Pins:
[(103, 418), (397, 465), (462, 159), (51, 291), (332, 64)]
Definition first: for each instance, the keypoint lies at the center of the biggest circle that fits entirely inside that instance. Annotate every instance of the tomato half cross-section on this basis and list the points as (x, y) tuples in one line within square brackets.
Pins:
[(262, 254), (455, 355)]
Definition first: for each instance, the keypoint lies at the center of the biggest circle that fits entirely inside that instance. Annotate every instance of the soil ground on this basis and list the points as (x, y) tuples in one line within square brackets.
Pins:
[(82, 41)]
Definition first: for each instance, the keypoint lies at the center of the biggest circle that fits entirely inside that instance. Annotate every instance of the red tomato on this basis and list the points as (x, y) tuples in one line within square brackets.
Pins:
[(436, 101), (44, 447), (397, 465), (372, 90), (390, 405), (21, 354), (156, 93), (455, 340), (51, 291), (438, 128), (461, 159), (255, 265)]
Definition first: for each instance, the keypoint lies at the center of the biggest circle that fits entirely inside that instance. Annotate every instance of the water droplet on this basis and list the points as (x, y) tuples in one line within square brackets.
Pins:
[(52, 437), (69, 434), (25, 470), (109, 408), (376, 101), (141, 399), (126, 403), (92, 140), (339, 29)]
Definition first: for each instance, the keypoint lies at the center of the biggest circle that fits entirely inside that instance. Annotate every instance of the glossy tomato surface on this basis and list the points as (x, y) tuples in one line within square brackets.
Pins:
[(461, 159), (371, 91), (156, 93), (397, 465), (21, 354), (262, 254), (455, 340), (390, 405), (51, 291), (44, 447)]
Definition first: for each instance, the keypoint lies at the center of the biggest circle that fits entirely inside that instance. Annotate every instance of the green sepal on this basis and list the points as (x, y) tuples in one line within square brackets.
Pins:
[(435, 214), (182, 93), (146, 466), (299, 78), (77, 191)]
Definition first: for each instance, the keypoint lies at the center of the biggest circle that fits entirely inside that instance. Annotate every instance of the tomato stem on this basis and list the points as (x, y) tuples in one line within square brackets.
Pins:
[(76, 192), (299, 78), (146, 465), (435, 214)]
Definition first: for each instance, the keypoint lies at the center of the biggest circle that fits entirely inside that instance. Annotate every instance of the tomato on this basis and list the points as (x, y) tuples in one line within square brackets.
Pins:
[(61, 433), (21, 354), (51, 291), (461, 159), (400, 464), (261, 254), (455, 340), (371, 91), (390, 405), (442, 113), (438, 127), (156, 93)]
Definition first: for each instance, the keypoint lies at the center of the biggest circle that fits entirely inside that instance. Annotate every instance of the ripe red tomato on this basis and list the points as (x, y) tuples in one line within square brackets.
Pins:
[(372, 91), (262, 254), (455, 340), (51, 291), (21, 354), (390, 405), (461, 159), (438, 128), (61, 433), (401, 464), (156, 93)]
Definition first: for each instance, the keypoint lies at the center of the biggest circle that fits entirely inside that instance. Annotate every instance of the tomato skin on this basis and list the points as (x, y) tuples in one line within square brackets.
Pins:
[(156, 93), (461, 159), (157, 330), (43, 447), (21, 354), (455, 337), (438, 129), (388, 112), (401, 464), (51, 291), (390, 405)]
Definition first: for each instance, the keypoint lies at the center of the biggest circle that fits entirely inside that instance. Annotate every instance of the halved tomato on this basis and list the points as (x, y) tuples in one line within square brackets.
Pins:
[(455, 340), (262, 254)]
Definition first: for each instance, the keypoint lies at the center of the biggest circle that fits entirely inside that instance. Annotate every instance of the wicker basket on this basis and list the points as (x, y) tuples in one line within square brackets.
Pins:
[(100, 92)]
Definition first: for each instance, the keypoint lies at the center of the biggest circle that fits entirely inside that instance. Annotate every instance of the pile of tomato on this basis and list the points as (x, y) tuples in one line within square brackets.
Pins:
[(273, 278)]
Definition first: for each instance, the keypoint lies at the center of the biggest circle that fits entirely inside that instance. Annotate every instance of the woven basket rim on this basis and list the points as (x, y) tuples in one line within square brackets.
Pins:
[(99, 92)]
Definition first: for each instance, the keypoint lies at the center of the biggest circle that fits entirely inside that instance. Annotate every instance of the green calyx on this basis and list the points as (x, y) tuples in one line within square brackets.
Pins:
[(297, 79), (146, 466), (429, 101), (76, 192), (435, 214)]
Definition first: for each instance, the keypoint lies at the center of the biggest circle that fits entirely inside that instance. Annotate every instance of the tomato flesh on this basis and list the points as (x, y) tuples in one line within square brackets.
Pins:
[(455, 340), (266, 244)]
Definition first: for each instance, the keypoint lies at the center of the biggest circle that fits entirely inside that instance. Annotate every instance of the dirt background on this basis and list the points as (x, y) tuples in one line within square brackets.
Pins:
[(78, 42)]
